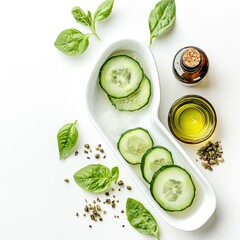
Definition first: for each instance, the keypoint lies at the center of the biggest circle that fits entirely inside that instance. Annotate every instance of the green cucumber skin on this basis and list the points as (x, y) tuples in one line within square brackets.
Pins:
[(136, 109), (144, 157), (133, 129), (162, 169), (100, 72)]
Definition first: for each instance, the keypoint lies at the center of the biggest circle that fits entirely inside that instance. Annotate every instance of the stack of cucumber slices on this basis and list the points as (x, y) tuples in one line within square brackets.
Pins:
[(125, 83), (171, 186)]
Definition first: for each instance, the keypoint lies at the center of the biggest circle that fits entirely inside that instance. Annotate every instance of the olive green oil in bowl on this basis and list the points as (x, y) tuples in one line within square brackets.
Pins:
[(192, 119)]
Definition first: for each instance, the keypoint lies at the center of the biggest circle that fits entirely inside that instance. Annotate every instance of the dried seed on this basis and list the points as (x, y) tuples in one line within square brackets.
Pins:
[(100, 219), (87, 146), (97, 148), (76, 153), (97, 155), (66, 180), (107, 193), (90, 226), (99, 208), (77, 214), (101, 150), (129, 188), (221, 160), (120, 183), (86, 209), (92, 217), (113, 205), (104, 212), (85, 151)]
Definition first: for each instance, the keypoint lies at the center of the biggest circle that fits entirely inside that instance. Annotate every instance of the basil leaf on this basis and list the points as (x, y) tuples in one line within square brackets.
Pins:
[(96, 177), (140, 218), (72, 42), (67, 138), (80, 16), (103, 10), (115, 174), (161, 17), (89, 16)]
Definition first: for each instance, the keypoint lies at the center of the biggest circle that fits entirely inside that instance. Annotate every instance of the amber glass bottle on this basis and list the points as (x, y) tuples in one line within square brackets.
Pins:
[(190, 65)]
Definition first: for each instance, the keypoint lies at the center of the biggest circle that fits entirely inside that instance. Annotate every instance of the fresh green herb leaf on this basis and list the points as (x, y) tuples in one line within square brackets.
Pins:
[(81, 16), (104, 10), (72, 42), (161, 17), (115, 174), (67, 138), (90, 19), (96, 177), (140, 218)]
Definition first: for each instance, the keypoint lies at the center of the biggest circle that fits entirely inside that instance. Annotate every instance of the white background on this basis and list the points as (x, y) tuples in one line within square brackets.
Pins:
[(42, 89)]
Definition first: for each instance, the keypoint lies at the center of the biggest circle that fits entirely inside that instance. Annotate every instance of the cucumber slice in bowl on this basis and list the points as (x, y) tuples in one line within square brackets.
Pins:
[(153, 159), (120, 76), (136, 100), (133, 144), (172, 188)]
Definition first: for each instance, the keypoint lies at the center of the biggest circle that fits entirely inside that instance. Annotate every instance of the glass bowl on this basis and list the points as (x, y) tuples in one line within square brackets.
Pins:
[(192, 119)]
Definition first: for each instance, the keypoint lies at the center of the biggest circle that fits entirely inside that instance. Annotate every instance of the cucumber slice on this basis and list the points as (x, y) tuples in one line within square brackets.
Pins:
[(136, 100), (153, 159), (120, 76), (133, 144), (173, 188)]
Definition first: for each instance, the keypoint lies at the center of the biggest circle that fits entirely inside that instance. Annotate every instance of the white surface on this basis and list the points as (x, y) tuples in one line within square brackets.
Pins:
[(102, 112), (42, 89)]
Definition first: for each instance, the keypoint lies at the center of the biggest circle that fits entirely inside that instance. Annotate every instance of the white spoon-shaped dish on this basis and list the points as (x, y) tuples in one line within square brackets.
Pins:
[(111, 123)]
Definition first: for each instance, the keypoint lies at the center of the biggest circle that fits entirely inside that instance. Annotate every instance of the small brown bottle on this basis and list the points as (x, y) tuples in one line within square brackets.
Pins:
[(190, 65)]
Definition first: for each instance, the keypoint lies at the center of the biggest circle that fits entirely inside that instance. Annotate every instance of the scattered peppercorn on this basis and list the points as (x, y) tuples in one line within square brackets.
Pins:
[(90, 226), (100, 219), (86, 209), (107, 193), (77, 214), (120, 183), (211, 154), (97, 156), (104, 156), (122, 211), (97, 148), (123, 226), (87, 146), (129, 188), (76, 153), (66, 180)]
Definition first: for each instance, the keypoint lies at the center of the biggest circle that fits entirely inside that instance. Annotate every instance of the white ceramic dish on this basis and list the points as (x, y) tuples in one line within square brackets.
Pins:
[(111, 123)]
